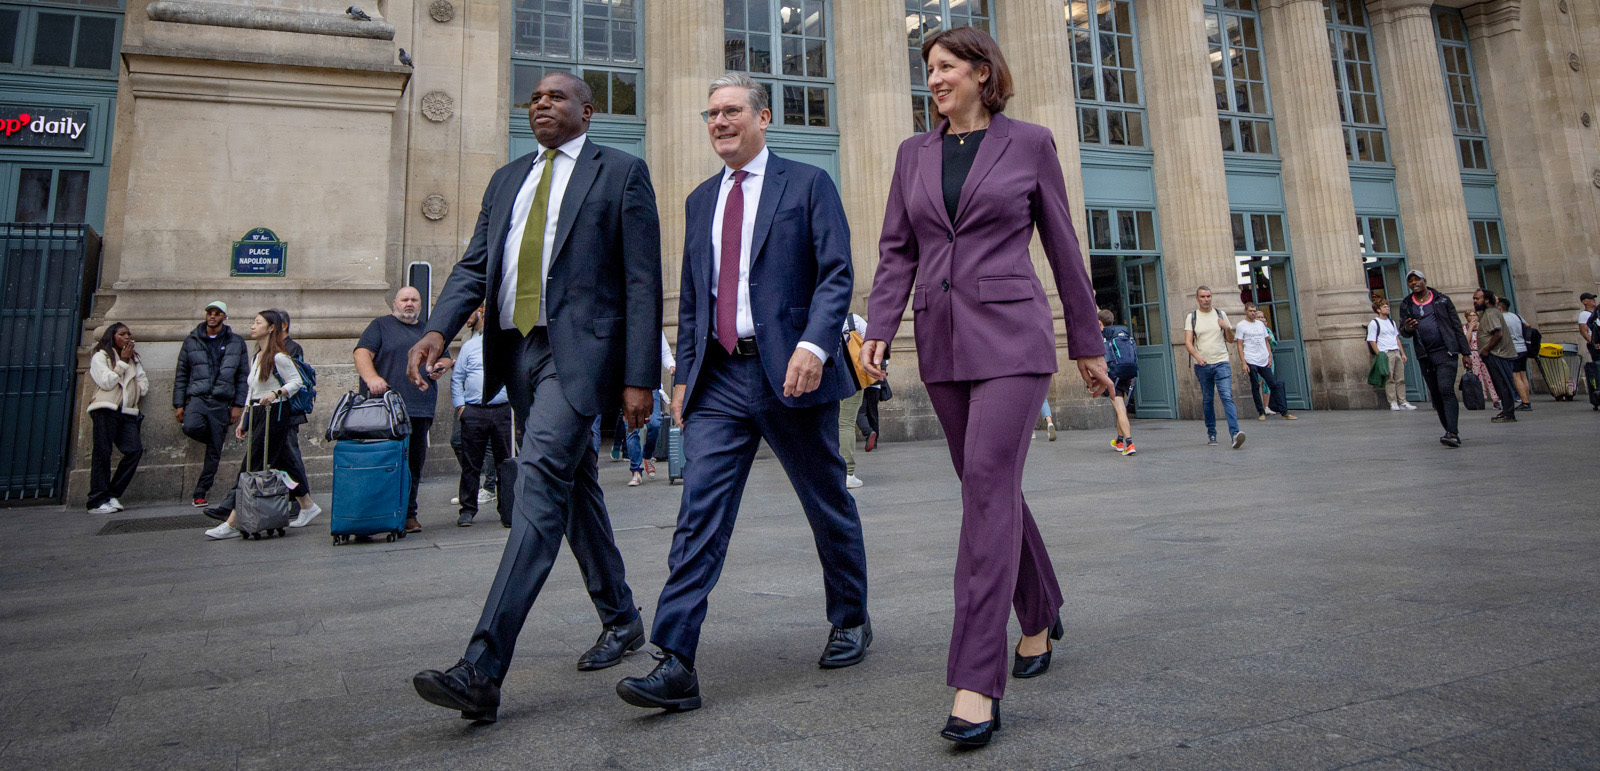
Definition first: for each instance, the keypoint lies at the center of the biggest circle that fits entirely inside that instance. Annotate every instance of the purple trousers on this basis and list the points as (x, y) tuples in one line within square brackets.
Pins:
[(1001, 562)]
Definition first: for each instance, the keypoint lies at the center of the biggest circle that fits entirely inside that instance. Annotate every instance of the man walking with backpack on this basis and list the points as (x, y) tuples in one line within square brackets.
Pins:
[(1428, 317), (209, 389), (1122, 366), (1255, 350), (1206, 334), (1383, 339)]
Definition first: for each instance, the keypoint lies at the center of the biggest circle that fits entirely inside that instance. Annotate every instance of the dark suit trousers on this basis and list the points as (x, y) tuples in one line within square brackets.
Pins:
[(1001, 562), (483, 429), (557, 493), (733, 409)]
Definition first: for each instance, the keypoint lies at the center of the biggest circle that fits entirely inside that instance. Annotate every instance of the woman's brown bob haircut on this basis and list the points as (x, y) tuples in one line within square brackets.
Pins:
[(978, 49)]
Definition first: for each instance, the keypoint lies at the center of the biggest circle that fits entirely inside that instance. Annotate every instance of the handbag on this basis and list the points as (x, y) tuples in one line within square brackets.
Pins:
[(884, 394), (360, 415), (852, 348)]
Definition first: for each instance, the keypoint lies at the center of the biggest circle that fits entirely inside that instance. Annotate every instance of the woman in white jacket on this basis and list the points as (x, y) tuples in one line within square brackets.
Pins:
[(119, 384), (274, 379)]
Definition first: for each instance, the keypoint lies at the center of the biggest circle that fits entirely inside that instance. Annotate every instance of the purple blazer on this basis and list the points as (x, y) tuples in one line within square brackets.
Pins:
[(980, 310)]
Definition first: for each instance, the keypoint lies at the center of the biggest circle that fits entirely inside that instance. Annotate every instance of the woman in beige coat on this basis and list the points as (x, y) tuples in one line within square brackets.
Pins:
[(119, 383)]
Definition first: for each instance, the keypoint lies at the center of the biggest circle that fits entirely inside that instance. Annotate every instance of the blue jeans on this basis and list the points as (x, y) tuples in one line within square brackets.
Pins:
[(1220, 377)]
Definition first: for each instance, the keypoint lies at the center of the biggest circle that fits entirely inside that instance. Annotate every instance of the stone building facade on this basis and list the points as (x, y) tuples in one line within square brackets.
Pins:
[(1299, 153)]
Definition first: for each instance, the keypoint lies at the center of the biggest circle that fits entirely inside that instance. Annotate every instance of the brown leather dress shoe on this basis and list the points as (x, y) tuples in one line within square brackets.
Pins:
[(412, 525)]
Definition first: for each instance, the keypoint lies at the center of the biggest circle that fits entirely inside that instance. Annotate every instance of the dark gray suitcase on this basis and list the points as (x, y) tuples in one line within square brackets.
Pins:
[(261, 499)]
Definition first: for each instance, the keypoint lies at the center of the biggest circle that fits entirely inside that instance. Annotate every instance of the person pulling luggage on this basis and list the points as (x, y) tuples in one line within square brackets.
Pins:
[(273, 380)]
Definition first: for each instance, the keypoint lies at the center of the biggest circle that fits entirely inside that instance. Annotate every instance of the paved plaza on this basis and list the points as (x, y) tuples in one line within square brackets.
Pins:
[(1341, 591)]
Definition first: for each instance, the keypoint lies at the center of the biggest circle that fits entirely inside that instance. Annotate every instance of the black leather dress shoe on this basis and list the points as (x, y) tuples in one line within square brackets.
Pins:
[(1024, 667), (670, 686), (846, 646), (966, 734), (460, 687), (218, 513), (612, 643)]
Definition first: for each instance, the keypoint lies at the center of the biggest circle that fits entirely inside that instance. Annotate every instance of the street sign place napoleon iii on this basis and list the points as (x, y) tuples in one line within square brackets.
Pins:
[(259, 253)]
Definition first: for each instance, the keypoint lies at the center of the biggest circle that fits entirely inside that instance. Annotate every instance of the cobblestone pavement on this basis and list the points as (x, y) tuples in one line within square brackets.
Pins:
[(1341, 591)]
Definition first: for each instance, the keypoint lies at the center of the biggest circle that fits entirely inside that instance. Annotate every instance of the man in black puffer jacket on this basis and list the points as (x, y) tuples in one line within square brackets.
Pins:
[(1429, 318), (210, 389)]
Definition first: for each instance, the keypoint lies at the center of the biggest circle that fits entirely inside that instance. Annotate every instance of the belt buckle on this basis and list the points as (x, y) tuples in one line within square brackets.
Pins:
[(746, 346)]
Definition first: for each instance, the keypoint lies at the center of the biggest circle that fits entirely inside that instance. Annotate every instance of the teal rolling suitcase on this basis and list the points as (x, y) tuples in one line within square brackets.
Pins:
[(371, 488)]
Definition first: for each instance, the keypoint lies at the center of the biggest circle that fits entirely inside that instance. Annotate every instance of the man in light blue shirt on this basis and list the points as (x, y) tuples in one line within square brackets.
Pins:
[(485, 424)]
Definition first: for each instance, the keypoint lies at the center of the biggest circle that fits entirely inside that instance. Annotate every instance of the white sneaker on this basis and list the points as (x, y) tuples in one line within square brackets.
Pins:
[(1270, 412), (852, 482), (1408, 405), (306, 515), (116, 504), (455, 501), (635, 481), (1394, 406), (484, 496), (104, 508), (222, 531)]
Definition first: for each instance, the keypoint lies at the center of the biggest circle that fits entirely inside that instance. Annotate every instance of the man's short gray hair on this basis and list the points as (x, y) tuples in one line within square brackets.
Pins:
[(755, 93), (1202, 288)]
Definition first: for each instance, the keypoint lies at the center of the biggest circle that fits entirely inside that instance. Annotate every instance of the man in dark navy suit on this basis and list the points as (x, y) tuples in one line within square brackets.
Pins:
[(567, 253), (766, 286)]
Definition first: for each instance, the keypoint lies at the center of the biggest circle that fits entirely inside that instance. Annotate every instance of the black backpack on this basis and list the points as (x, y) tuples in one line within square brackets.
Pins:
[(1471, 391)]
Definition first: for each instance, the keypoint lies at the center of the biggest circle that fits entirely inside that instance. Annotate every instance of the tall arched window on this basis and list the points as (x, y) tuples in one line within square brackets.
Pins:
[(786, 46), (1105, 59), (1466, 114), (1355, 77), (924, 19)]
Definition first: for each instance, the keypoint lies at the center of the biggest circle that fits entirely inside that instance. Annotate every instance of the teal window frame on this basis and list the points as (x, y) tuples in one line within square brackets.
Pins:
[(1461, 89), (617, 81), (1239, 78), (924, 19), (25, 37), (1106, 117), (1355, 78), (800, 91)]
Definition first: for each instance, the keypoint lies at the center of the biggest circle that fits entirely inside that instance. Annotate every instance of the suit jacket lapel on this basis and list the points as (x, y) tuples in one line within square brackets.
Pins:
[(583, 174), (771, 193), (701, 214), (994, 143), (930, 170)]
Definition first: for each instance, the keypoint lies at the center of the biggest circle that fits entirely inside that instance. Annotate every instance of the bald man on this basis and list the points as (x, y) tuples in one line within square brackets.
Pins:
[(381, 357)]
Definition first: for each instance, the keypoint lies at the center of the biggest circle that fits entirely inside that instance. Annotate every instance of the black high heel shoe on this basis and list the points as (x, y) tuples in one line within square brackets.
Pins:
[(1024, 667), (966, 734)]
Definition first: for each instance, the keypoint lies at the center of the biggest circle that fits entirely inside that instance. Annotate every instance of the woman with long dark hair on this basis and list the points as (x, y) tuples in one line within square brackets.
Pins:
[(963, 206), (119, 384), (274, 379)]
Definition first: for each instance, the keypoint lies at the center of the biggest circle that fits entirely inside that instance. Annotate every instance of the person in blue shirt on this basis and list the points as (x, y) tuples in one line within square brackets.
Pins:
[(485, 423)]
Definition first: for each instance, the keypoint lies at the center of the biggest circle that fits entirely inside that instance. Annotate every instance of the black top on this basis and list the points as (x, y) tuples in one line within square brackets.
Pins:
[(390, 340), (958, 157)]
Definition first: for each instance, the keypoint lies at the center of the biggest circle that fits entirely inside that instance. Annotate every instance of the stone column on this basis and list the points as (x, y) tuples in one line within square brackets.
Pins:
[(683, 54), (1321, 210), (873, 84), (1191, 183), (1037, 42), (1433, 210), (1536, 136)]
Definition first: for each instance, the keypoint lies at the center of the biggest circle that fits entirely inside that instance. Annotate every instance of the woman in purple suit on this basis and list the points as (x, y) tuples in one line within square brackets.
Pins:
[(963, 206)]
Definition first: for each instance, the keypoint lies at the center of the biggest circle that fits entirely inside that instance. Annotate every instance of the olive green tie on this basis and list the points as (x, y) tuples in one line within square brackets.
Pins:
[(530, 256)]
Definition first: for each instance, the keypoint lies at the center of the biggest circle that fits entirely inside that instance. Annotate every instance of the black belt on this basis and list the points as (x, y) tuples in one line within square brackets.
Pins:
[(746, 346)]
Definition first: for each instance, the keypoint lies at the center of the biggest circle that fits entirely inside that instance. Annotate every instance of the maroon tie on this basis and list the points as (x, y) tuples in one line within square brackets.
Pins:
[(728, 278)]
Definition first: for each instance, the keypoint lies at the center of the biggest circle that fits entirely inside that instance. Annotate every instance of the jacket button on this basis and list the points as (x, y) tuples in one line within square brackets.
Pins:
[(945, 285), (950, 237)]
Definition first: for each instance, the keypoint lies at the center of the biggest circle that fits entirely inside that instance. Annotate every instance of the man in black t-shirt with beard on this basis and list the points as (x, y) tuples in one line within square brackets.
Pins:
[(1428, 317), (381, 360)]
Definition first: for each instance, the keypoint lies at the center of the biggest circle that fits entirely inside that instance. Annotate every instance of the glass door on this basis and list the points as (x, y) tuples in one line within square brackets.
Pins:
[(1143, 289), (1385, 262), (1266, 278)]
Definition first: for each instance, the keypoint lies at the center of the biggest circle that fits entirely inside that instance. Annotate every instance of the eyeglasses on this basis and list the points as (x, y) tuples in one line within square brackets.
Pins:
[(731, 113)]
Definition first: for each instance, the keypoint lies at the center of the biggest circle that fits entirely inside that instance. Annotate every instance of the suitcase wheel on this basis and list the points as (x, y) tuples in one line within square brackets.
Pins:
[(337, 541), (391, 538), (400, 533)]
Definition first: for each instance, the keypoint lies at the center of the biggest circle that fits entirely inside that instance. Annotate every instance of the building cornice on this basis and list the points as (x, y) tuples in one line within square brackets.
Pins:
[(1391, 11), (1486, 20)]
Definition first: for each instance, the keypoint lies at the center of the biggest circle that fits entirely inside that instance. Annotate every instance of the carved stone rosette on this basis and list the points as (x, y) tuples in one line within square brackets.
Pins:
[(437, 106), (435, 207), (442, 11)]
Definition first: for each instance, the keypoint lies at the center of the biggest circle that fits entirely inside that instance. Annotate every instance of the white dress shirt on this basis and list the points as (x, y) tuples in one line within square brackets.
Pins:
[(566, 159), (757, 169)]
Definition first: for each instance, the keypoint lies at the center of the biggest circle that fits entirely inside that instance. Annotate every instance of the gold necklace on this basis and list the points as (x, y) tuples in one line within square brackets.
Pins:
[(962, 138)]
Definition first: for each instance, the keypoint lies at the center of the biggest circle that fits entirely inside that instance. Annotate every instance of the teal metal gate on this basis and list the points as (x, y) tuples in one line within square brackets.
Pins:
[(43, 297)]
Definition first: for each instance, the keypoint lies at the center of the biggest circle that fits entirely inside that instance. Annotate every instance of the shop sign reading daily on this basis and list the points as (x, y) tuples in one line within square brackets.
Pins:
[(48, 128), (259, 253)]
